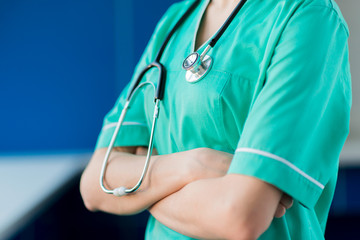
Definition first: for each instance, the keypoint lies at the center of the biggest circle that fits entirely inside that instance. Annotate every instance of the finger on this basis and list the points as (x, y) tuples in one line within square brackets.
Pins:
[(154, 152), (141, 151), (280, 211), (286, 201)]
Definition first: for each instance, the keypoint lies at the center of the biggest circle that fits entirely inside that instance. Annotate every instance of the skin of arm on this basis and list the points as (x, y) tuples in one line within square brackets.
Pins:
[(171, 181), (233, 206), (166, 175)]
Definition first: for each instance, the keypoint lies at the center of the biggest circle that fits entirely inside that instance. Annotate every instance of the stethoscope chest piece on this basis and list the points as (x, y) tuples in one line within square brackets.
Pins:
[(196, 66)]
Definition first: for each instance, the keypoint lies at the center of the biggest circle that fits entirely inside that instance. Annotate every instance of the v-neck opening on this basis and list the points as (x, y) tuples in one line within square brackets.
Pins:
[(201, 17), (193, 46)]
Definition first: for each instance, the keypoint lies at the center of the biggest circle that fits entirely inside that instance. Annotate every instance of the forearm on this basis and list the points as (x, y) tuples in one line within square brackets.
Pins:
[(229, 207), (165, 176)]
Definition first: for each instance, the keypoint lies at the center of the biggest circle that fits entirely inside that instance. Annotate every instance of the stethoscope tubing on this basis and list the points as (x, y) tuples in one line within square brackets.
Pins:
[(158, 96), (120, 191), (111, 145), (214, 40)]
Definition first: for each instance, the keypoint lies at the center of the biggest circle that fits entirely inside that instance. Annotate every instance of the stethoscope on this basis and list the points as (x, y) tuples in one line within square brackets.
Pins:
[(196, 66)]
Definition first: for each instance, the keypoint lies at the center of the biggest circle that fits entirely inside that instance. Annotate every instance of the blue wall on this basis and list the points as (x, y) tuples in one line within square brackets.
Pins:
[(62, 66)]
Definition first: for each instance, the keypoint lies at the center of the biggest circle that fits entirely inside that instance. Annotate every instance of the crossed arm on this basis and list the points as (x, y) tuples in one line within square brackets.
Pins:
[(187, 191)]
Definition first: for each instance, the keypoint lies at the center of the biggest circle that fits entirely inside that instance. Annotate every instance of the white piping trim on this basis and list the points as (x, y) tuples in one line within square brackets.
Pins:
[(282, 160), (111, 125)]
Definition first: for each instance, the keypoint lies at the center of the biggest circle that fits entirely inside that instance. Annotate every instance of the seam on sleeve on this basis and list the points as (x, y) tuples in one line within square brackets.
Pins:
[(284, 161)]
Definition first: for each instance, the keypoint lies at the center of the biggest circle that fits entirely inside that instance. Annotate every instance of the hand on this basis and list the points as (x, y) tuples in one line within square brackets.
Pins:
[(198, 163), (286, 202), (143, 151), (208, 163)]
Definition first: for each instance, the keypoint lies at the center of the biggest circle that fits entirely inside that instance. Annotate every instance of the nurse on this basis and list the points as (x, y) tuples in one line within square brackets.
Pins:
[(268, 121)]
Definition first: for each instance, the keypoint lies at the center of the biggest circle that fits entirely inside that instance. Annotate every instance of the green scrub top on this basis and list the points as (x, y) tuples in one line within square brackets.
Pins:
[(278, 96)]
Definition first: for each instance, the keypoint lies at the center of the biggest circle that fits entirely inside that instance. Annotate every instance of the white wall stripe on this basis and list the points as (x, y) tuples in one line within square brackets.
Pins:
[(111, 125), (282, 160)]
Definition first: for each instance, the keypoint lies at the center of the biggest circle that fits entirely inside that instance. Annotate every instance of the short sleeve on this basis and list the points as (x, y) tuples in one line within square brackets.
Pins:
[(299, 121), (134, 130)]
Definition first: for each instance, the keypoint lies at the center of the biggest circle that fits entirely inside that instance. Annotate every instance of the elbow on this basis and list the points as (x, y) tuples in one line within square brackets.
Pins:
[(242, 232), (87, 194), (240, 226), (95, 199), (89, 205)]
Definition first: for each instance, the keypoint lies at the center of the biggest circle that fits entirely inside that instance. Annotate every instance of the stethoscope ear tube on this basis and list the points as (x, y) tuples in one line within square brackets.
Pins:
[(135, 85), (111, 145), (161, 82), (159, 94), (227, 23), (121, 191)]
